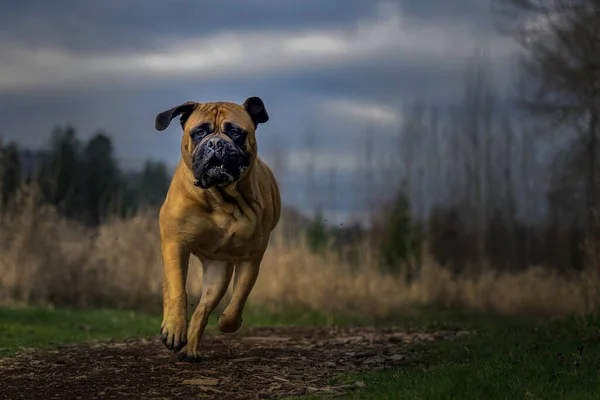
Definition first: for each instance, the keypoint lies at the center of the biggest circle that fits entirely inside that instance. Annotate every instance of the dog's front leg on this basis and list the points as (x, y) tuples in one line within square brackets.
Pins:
[(246, 274), (216, 276), (175, 263)]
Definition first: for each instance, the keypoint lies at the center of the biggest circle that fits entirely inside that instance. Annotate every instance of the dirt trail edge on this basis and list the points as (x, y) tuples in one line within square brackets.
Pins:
[(261, 363)]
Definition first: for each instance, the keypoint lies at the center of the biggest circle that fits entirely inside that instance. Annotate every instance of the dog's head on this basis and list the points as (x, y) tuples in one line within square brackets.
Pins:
[(219, 142)]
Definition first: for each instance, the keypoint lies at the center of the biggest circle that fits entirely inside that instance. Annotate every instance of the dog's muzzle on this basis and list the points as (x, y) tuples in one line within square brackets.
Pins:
[(217, 161)]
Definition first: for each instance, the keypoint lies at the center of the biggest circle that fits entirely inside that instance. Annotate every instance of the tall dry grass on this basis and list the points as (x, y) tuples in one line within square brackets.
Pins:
[(45, 259)]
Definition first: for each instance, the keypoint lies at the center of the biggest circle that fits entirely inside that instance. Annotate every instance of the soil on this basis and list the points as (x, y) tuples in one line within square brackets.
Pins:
[(260, 363)]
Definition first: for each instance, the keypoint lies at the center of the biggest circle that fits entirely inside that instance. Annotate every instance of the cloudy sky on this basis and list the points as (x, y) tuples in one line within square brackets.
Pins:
[(336, 67)]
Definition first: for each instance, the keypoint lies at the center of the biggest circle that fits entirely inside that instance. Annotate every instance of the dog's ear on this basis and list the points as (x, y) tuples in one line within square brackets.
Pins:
[(256, 109), (163, 120)]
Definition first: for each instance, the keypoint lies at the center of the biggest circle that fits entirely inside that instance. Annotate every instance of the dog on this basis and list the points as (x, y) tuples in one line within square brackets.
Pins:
[(222, 206)]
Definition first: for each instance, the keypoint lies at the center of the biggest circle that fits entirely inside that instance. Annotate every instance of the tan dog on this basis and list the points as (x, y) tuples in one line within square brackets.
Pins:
[(222, 206)]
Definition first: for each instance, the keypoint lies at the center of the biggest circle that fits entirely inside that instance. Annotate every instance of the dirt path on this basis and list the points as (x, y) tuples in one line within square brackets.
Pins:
[(258, 364)]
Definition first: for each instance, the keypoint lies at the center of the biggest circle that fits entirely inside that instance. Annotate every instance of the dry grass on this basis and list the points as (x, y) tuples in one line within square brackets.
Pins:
[(46, 259)]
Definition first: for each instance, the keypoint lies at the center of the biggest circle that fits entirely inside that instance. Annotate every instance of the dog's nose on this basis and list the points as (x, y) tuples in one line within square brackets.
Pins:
[(215, 143)]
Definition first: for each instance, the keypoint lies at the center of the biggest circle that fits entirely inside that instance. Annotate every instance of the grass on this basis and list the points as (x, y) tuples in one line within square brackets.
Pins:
[(41, 327), (508, 358), (34, 328)]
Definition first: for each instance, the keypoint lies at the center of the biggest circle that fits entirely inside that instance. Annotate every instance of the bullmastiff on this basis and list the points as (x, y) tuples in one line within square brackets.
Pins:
[(221, 206)]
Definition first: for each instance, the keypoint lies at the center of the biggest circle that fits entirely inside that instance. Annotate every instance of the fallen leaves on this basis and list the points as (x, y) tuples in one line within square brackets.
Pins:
[(266, 338), (245, 359), (202, 381)]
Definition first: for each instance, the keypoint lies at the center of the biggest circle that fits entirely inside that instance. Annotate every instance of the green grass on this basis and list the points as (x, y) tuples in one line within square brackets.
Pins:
[(38, 327), (34, 328), (509, 358)]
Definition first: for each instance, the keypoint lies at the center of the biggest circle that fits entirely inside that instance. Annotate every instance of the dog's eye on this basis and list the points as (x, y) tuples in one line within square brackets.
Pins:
[(234, 133), (198, 134)]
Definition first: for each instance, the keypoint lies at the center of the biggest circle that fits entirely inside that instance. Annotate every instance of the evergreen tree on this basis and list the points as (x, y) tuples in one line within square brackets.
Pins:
[(10, 172), (103, 184)]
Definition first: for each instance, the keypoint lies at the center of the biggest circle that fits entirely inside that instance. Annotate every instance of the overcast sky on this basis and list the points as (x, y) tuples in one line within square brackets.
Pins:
[(342, 67)]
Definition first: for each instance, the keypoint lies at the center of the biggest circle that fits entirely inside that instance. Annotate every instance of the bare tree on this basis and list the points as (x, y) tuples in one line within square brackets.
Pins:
[(477, 114), (311, 184), (411, 152), (562, 43), (279, 166), (368, 169), (333, 195)]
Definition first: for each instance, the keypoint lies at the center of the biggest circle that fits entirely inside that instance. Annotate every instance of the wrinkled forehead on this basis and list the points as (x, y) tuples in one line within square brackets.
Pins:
[(220, 112)]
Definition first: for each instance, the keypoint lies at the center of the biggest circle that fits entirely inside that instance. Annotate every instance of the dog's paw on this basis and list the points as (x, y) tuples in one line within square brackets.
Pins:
[(229, 323), (187, 354), (174, 333)]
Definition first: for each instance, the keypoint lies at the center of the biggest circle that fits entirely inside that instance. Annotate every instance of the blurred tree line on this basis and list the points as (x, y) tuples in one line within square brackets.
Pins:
[(82, 179), (503, 180)]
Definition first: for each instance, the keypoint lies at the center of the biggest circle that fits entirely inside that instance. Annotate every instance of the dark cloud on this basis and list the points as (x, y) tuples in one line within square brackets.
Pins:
[(116, 25), (477, 14)]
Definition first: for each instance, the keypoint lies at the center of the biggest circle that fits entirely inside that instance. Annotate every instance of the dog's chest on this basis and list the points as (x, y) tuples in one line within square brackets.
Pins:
[(227, 236)]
